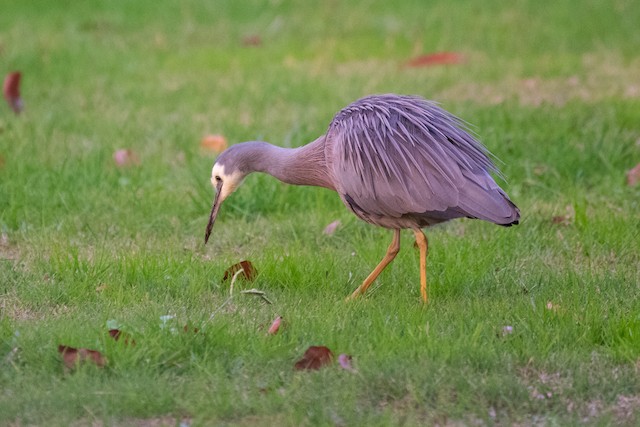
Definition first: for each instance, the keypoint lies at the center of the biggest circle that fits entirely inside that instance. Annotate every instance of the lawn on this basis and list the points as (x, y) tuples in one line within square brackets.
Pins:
[(537, 324)]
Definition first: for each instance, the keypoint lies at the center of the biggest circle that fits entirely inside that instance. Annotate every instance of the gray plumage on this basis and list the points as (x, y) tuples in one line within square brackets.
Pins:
[(396, 161), (403, 162)]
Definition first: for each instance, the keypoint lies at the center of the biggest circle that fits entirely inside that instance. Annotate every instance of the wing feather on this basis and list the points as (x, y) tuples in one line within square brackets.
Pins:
[(397, 155)]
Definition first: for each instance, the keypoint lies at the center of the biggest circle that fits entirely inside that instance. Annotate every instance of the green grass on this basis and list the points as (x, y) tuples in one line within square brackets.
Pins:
[(553, 91)]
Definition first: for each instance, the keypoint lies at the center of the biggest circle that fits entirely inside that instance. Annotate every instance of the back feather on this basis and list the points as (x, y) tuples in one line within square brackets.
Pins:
[(397, 155)]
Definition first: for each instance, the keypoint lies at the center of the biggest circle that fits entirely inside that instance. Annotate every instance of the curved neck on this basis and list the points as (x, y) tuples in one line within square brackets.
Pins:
[(298, 166)]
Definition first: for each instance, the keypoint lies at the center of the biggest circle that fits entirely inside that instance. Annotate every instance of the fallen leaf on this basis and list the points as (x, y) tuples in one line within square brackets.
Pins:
[(331, 228), (11, 89), (345, 362), (117, 334), (248, 271), (314, 358), (214, 143), (188, 328), (252, 40), (633, 176), (433, 59), (101, 287), (540, 169), (125, 157), (561, 219), (73, 356), (273, 329)]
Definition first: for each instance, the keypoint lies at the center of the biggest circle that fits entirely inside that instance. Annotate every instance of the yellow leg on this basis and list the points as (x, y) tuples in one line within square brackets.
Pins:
[(393, 250), (423, 244)]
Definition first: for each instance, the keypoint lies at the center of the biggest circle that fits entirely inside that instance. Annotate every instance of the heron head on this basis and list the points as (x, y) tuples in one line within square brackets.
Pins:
[(226, 177)]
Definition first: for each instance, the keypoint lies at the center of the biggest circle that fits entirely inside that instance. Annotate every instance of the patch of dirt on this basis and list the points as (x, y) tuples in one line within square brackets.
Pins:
[(11, 308), (8, 251), (262, 420), (544, 385), (626, 409), (166, 421), (605, 76)]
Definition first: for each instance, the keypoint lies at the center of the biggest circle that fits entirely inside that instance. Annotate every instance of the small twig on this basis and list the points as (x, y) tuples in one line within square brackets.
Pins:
[(259, 293), (227, 301), (233, 280)]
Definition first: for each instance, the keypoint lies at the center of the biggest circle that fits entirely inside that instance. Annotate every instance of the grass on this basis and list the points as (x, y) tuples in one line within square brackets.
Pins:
[(552, 91)]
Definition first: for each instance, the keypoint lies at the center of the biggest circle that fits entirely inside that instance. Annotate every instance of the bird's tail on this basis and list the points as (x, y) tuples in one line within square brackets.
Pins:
[(482, 198)]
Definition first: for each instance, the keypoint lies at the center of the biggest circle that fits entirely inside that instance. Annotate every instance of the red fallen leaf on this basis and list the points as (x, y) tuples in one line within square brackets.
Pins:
[(331, 228), (11, 89), (214, 143), (633, 176), (314, 358), (345, 362), (73, 356), (433, 59), (125, 157), (248, 271), (273, 329), (252, 40), (116, 334)]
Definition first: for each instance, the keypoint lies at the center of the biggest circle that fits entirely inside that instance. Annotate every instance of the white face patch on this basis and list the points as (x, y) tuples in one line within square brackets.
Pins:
[(230, 182)]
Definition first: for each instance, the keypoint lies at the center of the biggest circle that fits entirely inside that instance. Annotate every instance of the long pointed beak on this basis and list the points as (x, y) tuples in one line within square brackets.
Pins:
[(214, 211)]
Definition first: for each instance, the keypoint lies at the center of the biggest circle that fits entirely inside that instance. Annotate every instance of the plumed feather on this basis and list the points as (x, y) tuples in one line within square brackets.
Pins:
[(404, 162)]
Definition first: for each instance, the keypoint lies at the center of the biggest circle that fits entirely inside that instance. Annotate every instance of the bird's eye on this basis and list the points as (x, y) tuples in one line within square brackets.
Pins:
[(218, 178)]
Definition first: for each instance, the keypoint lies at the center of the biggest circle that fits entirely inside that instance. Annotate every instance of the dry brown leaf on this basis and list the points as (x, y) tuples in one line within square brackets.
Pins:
[(433, 59), (188, 328), (214, 143), (252, 40), (117, 334), (273, 329), (314, 358), (633, 176), (540, 169), (71, 357), (248, 271), (11, 90), (331, 228), (561, 219), (125, 157)]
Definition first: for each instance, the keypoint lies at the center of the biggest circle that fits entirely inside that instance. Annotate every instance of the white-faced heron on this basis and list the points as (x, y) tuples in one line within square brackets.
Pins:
[(395, 161)]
